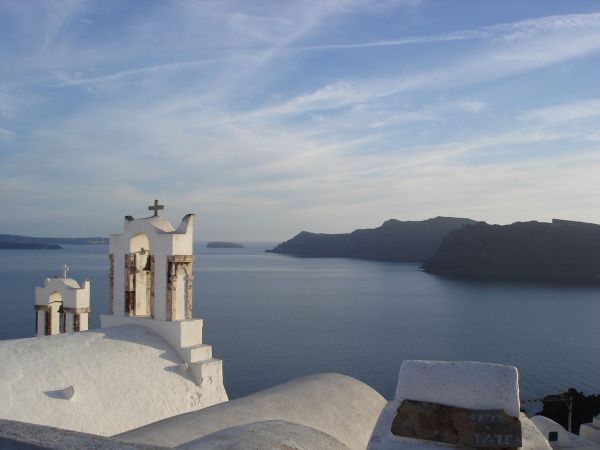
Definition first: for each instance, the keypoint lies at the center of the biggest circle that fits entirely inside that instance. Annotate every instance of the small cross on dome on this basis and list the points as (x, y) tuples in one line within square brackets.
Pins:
[(156, 208)]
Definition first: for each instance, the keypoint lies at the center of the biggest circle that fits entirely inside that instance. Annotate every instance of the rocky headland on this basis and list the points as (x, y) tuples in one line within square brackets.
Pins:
[(561, 251), (14, 241), (394, 240)]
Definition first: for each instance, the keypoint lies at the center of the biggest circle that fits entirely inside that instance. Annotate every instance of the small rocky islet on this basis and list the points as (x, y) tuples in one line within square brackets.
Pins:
[(221, 244)]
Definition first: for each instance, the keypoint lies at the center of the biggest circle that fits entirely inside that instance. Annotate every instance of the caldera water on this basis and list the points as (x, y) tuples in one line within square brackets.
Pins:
[(272, 318)]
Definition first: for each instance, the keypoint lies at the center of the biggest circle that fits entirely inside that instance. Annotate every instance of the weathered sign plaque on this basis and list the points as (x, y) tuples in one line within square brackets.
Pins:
[(489, 428)]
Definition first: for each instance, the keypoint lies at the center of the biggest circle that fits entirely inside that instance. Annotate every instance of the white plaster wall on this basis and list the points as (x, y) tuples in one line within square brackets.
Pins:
[(464, 384), (83, 321), (179, 334), (591, 431), (183, 244), (546, 425), (565, 439), (41, 322), (65, 287), (82, 297), (160, 234), (72, 295)]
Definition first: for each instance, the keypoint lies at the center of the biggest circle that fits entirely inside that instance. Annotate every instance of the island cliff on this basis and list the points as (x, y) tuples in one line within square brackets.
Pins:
[(14, 241), (394, 240), (561, 251), (28, 246)]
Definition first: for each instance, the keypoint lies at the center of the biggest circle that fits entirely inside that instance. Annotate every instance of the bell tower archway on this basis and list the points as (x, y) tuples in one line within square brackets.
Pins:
[(151, 268), (53, 314), (139, 277), (179, 287)]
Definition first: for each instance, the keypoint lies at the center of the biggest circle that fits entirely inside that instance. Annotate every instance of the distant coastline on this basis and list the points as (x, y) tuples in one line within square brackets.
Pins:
[(393, 241), (563, 251), (18, 242), (28, 246)]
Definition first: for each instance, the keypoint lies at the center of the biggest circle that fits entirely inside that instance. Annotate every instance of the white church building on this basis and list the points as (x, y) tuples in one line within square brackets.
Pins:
[(147, 361), (146, 379)]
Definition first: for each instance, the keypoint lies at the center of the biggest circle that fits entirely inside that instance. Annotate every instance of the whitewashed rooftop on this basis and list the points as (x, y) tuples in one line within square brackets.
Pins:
[(121, 378)]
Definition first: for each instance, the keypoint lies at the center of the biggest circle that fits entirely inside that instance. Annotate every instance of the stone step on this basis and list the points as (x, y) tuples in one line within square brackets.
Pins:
[(196, 353), (207, 373)]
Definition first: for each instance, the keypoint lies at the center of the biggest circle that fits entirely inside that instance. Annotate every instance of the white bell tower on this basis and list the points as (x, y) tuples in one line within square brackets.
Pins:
[(151, 268), (151, 285), (62, 306)]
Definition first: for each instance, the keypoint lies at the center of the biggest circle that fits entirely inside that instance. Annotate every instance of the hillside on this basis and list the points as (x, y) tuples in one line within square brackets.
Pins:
[(562, 251), (394, 240), (13, 241), (28, 246)]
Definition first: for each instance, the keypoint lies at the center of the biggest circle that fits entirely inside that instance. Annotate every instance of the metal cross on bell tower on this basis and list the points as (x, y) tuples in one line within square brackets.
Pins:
[(156, 208), (65, 270)]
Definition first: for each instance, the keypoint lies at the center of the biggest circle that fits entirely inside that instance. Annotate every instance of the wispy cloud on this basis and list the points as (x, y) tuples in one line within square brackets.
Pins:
[(224, 108), (566, 112), (506, 31), (6, 135), (68, 80), (471, 105), (555, 23), (413, 40)]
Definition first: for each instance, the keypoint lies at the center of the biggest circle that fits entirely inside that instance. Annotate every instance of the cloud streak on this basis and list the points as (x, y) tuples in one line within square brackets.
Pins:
[(566, 112), (506, 31), (230, 113)]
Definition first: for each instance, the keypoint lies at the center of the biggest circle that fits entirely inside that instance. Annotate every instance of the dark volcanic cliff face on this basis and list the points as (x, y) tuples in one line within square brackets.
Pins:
[(560, 251), (412, 241)]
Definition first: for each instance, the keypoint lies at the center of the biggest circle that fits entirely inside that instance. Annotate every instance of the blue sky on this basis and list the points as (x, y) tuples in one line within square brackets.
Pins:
[(268, 118)]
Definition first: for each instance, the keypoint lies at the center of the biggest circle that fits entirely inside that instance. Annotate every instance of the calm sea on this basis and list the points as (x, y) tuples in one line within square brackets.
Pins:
[(272, 318)]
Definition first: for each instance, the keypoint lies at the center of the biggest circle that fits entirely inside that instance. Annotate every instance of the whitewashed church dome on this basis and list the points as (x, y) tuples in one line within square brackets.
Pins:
[(121, 378)]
